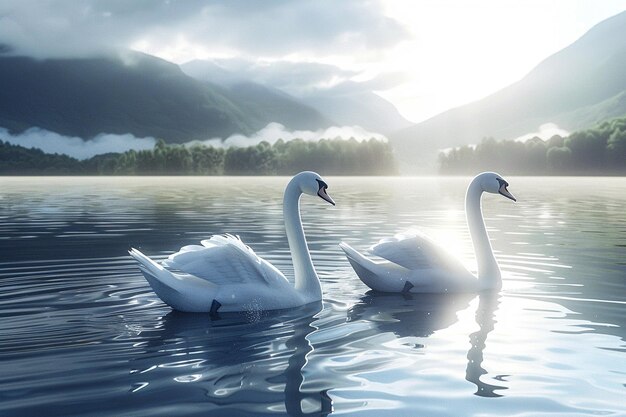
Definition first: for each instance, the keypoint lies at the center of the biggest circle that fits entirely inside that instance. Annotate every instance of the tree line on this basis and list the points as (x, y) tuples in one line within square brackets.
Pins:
[(596, 151), (328, 156)]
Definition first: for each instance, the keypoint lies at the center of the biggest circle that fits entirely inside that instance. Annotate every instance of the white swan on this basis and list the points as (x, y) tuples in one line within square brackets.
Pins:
[(417, 264), (225, 275)]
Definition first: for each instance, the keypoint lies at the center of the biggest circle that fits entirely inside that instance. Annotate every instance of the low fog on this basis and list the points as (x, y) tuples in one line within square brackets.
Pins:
[(275, 131), (545, 132), (51, 142)]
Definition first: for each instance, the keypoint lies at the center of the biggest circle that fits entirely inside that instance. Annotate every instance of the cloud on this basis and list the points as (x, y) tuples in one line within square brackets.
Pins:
[(300, 79), (272, 28), (51, 142), (295, 78), (545, 132), (275, 131), (383, 81)]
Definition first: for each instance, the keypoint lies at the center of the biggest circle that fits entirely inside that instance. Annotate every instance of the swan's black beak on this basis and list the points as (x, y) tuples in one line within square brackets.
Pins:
[(506, 192), (322, 192)]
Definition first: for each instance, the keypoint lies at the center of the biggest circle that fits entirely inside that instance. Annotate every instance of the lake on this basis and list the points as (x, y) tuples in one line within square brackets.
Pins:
[(82, 334)]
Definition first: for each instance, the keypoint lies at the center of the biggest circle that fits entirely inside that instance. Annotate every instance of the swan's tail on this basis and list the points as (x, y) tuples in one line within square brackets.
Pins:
[(181, 291), (146, 264), (351, 253), (379, 276), (363, 266), (162, 281)]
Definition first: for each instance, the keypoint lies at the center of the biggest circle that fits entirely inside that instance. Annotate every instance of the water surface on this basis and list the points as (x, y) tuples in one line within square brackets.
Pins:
[(82, 334)]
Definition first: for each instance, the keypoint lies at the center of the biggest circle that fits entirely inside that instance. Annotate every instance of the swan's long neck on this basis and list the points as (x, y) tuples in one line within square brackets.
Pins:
[(306, 280), (488, 270)]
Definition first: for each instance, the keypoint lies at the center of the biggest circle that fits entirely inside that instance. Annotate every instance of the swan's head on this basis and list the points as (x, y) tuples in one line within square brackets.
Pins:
[(495, 184), (312, 184)]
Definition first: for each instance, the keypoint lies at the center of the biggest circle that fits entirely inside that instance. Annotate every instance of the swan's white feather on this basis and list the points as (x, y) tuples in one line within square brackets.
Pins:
[(414, 250), (410, 251), (218, 278), (224, 260)]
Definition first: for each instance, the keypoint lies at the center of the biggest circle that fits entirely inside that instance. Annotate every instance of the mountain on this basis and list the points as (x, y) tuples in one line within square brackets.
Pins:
[(357, 107), (576, 88), (263, 105), (346, 104), (138, 94)]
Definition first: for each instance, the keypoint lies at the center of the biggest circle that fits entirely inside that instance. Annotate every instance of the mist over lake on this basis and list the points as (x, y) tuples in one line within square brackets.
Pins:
[(84, 334)]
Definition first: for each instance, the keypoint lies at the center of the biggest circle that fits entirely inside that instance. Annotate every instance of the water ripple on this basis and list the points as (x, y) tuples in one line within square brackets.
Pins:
[(83, 334)]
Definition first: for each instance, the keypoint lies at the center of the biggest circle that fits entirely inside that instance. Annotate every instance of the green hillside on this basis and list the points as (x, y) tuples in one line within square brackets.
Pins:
[(577, 87), (333, 157), (139, 94), (600, 150)]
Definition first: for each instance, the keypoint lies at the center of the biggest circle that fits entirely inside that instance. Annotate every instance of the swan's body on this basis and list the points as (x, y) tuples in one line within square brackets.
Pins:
[(415, 263), (225, 275)]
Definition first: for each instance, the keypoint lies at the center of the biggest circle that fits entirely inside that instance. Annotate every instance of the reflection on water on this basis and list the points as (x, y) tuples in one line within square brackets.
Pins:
[(409, 314), (83, 334), (421, 315), (238, 359), (487, 305)]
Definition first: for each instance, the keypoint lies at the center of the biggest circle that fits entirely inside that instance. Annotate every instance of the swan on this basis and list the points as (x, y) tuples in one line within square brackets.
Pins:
[(225, 275), (415, 263)]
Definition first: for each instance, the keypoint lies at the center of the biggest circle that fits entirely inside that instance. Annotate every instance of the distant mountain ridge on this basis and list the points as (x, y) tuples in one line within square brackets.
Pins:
[(142, 95), (362, 108), (345, 105), (147, 96), (576, 88)]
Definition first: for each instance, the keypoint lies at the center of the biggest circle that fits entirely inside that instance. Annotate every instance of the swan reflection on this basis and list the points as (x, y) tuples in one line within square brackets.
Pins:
[(421, 315), (409, 314), (487, 306), (248, 361)]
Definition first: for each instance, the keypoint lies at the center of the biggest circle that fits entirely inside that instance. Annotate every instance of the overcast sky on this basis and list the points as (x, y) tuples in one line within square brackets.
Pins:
[(423, 56)]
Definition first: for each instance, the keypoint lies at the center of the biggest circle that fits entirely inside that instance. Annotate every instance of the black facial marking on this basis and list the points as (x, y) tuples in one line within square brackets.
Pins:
[(322, 184), (407, 287), (502, 182)]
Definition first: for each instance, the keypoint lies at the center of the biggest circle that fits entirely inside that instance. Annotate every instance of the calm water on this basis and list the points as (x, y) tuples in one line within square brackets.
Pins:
[(82, 334)]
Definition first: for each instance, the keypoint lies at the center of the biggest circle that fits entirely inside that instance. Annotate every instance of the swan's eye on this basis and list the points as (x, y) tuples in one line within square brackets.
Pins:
[(502, 182)]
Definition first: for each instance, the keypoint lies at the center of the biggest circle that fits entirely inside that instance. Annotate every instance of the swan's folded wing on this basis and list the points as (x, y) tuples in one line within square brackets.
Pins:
[(412, 251), (223, 260)]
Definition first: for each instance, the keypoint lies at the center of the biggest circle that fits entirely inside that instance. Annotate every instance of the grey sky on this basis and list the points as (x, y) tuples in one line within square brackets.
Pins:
[(425, 56), (269, 28)]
